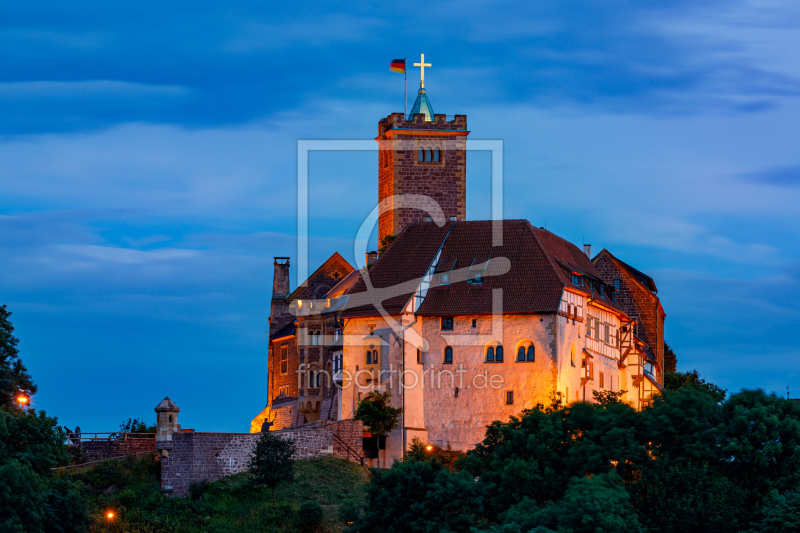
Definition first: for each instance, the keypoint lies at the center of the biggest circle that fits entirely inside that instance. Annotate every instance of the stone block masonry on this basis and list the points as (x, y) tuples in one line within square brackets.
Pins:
[(109, 449), (212, 456)]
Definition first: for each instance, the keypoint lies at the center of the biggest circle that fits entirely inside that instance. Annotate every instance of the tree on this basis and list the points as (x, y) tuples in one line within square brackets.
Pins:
[(420, 496), (14, 378), (386, 242), (677, 380), (608, 397), (377, 414), (780, 515), (272, 462), (670, 359), (673, 498)]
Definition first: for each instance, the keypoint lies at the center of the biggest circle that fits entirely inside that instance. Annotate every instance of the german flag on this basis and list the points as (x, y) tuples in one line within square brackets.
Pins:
[(398, 65)]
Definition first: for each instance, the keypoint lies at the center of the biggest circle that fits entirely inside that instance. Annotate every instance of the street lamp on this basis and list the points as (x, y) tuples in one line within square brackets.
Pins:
[(109, 516), (22, 401), (429, 447)]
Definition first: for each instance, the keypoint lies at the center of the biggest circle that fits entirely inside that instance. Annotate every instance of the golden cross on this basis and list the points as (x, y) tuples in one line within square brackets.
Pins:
[(422, 64)]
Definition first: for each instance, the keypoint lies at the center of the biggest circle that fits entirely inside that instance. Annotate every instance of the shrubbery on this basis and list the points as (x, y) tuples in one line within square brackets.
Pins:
[(688, 463)]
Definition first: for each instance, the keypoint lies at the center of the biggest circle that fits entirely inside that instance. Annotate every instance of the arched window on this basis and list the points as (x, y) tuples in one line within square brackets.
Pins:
[(421, 155), (499, 354), (531, 353), (448, 354), (428, 155), (319, 338), (521, 354), (319, 379), (490, 354), (436, 156)]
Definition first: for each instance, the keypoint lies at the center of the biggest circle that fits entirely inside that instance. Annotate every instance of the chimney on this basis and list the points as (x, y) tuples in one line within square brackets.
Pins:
[(371, 257), (280, 281), (587, 249)]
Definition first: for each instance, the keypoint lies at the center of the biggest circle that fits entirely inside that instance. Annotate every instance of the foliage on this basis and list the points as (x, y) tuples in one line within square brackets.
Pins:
[(14, 377), (687, 463), (272, 461), (309, 517), (349, 512), (21, 491), (780, 515), (673, 498), (386, 242), (198, 487), (420, 452), (137, 425), (670, 359), (231, 504), (377, 413), (32, 438), (677, 380), (607, 397), (420, 496)]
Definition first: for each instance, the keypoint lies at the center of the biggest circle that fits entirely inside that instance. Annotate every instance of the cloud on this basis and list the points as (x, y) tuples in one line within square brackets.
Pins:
[(785, 176)]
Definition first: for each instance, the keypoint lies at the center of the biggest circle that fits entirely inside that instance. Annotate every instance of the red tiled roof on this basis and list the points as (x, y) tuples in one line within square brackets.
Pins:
[(405, 260), (527, 267)]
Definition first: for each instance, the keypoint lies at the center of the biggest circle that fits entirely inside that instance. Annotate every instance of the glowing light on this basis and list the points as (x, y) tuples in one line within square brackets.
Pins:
[(429, 447), (22, 399), (110, 516)]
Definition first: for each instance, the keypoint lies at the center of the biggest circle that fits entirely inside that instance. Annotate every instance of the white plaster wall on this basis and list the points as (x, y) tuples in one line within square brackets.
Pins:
[(462, 420)]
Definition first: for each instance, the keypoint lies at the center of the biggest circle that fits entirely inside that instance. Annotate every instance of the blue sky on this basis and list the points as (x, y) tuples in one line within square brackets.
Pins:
[(148, 163)]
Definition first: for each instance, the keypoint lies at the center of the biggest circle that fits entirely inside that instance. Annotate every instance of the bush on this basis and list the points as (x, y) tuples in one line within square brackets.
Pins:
[(198, 487), (309, 517), (349, 512)]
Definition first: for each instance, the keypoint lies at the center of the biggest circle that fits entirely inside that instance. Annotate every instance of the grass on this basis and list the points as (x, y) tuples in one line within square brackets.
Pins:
[(130, 489)]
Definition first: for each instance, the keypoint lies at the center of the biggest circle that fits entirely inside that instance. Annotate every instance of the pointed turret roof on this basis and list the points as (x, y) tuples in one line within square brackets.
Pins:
[(422, 105), (167, 405)]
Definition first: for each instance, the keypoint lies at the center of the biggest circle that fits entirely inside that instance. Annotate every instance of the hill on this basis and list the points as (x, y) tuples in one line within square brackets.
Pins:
[(130, 489)]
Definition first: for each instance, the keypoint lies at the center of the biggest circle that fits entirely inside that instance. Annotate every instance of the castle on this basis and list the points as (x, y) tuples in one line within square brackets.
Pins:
[(463, 322)]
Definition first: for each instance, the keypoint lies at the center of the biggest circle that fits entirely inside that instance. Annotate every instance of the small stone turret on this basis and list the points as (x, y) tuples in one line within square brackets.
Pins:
[(167, 424)]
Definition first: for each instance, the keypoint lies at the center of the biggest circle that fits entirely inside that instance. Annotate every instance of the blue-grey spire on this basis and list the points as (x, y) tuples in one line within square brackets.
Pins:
[(422, 105)]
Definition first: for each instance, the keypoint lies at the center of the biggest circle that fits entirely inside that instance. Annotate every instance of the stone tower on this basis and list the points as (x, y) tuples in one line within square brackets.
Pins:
[(424, 155), (166, 423), (279, 314)]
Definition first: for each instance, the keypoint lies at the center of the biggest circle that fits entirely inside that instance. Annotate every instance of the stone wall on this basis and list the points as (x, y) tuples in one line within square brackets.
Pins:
[(212, 456), (105, 449), (639, 303)]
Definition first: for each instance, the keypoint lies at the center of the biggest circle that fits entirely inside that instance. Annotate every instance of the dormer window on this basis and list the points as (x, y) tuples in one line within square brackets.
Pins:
[(576, 279)]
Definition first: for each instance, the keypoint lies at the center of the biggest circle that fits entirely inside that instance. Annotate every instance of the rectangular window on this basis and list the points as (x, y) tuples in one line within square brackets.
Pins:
[(447, 323), (474, 322), (601, 380), (510, 397), (419, 356), (607, 333), (591, 371), (616, 285), (576, 279), (284, 359)]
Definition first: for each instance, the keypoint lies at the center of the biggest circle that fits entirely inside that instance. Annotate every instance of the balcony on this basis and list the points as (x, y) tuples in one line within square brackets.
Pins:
[(310, 403)]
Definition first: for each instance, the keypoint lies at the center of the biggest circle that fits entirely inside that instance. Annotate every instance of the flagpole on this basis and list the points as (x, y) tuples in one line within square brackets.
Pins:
[(405, 88)]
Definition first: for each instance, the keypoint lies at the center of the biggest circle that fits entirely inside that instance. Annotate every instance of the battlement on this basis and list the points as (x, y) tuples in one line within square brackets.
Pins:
[(397, 121)]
